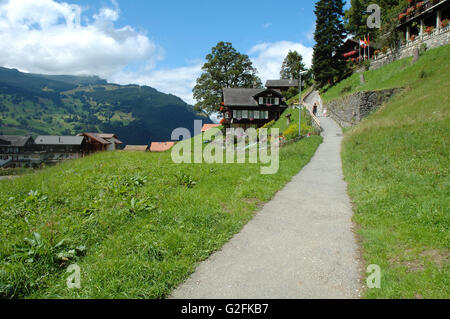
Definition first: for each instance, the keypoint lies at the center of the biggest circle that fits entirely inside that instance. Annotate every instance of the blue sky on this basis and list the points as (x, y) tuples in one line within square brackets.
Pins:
[(156, 43)]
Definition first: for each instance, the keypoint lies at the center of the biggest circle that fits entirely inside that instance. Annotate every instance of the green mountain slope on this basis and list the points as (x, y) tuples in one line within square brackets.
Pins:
[(65, 105), (396, 163)]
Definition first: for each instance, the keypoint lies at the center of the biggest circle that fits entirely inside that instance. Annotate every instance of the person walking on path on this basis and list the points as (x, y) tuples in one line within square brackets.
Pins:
[(315, 109)]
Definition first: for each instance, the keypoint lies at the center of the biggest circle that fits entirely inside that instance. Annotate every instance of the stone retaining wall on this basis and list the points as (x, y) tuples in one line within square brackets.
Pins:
[(351, 109)]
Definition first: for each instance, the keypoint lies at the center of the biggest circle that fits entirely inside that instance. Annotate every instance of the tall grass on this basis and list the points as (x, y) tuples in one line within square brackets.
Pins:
[(396, 164), (136, 223)]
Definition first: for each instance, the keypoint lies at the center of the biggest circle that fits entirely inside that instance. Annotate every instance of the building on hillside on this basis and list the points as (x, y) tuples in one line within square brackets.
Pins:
[(100, 142), (354, 52), (17, 151), (161, 146), (209, 126), (251, 108), (54, 149), (423, 20), (282, 85), (421, 23), (136, 148)]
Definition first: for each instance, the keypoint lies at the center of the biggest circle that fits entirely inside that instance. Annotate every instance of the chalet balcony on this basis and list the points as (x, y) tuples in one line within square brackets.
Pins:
[(427, 7)]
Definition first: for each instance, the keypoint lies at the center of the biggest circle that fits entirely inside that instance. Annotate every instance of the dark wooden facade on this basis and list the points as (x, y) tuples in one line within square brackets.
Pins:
[(247, 108)]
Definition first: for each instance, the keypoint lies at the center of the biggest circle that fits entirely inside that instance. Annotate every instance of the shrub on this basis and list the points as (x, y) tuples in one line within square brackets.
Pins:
[(291, 132)]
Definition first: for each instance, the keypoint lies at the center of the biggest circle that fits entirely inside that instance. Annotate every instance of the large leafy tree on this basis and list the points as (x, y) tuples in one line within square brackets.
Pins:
[(225, 68), (328, 64), (292, 65)]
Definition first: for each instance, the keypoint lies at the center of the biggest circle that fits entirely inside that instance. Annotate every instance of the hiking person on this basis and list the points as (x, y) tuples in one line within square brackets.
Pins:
[(315, 109)]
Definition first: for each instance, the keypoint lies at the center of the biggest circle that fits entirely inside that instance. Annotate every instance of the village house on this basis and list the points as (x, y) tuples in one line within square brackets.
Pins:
[(17, 151), (423, 20), (353, 51), (54, 149), (161, 146), (100, 142), (23, 151), (251, 108), (282, 85), (206, 127)]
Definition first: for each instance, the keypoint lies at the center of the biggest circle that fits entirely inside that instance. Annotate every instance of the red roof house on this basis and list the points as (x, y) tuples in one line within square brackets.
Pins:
[(208, 126), (161, 146)]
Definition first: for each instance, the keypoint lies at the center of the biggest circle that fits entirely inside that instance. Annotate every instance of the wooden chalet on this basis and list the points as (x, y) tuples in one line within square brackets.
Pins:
[(100, 142), (55, 149), (424, 19), (282, 85), (352, 50), (246, 108), (16, 151)]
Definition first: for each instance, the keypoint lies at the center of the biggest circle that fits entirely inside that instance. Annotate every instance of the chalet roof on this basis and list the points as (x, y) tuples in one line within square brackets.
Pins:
[(161, 146), (240, 97), (282, 83), (136, 148), (59, 140), (15, 140), (208, 126), (102, 138), (245, 97)]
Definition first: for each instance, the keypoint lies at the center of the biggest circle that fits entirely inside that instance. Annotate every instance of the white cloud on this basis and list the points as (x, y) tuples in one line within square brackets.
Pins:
[(45, 36), (268, 57), (177, 81)]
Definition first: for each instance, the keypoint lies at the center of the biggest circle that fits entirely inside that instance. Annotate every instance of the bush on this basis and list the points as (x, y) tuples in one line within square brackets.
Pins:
[(291, 132)]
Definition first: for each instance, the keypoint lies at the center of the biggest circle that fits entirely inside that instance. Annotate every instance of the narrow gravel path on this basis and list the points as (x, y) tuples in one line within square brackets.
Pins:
[(300, 245)]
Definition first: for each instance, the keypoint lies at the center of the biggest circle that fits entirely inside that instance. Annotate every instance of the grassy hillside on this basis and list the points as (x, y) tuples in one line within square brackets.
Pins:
[(397, 163), (67, 105), (135, 223)]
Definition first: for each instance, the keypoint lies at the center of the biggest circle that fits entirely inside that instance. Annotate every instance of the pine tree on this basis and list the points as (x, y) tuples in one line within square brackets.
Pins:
[(328, 64)]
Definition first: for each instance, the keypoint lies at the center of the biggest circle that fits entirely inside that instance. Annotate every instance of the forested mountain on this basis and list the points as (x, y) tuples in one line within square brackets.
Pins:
[(66, 105)]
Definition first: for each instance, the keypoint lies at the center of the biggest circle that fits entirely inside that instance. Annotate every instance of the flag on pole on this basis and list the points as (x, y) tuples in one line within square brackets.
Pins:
[(368, 44)]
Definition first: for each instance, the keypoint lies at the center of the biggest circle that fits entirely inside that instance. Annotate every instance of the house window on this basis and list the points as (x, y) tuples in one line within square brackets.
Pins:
[(271, 101), (265, 115), (256, 115), (245, 114), (251, 114)]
